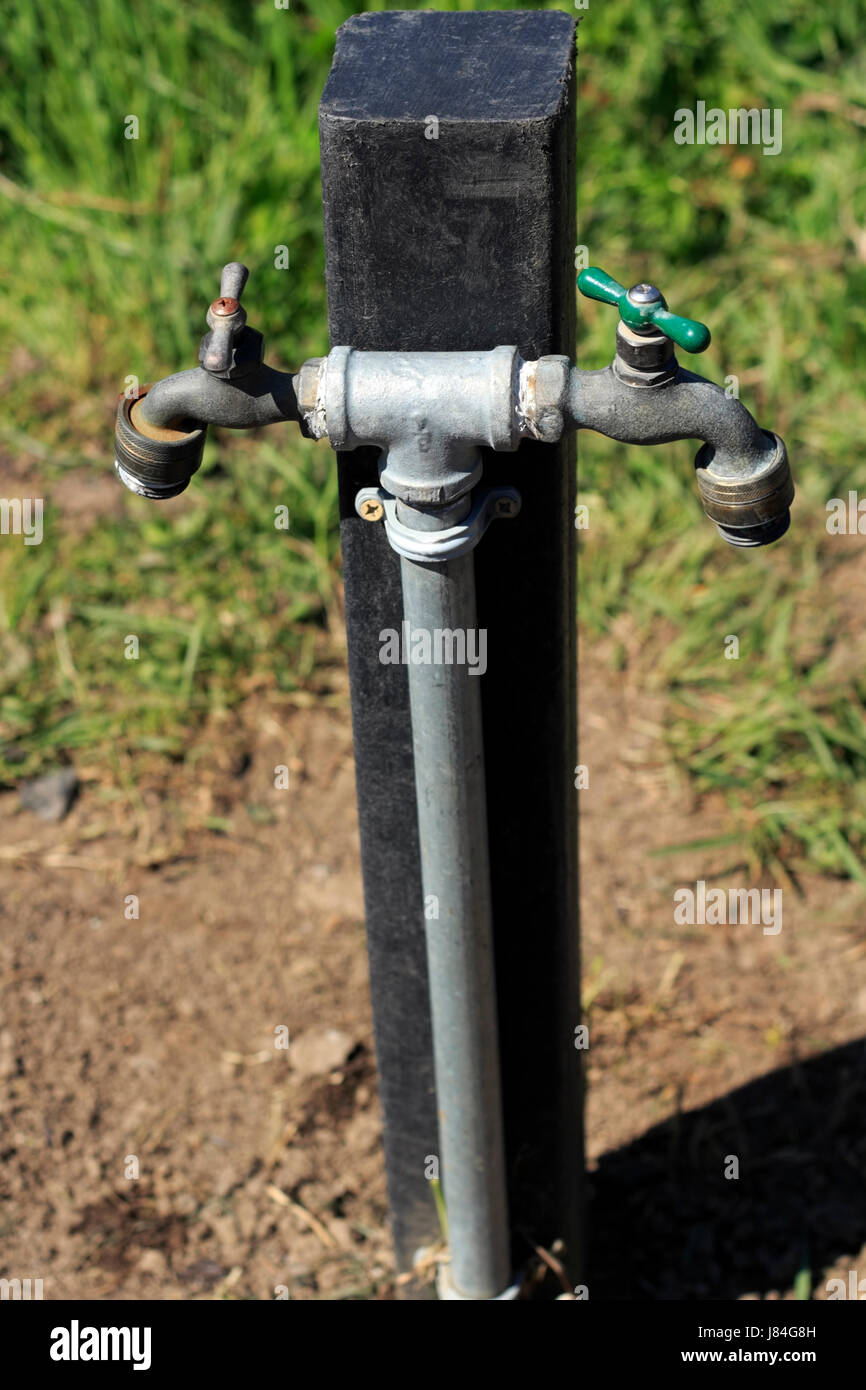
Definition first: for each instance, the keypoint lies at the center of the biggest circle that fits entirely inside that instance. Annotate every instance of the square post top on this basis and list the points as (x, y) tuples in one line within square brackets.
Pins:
[(406, 65)]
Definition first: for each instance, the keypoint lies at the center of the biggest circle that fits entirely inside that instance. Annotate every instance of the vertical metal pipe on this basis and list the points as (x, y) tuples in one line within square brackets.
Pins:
[(445, 703)]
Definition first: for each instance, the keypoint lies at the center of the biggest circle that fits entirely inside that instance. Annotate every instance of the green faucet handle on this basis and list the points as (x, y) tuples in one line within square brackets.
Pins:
[(644, 308)]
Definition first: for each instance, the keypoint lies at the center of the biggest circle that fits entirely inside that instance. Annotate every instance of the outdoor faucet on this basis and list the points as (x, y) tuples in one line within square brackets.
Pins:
[(645, 397), (160, 430), (430, 413)]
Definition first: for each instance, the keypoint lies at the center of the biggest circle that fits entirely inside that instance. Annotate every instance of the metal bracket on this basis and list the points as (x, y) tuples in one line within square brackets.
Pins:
[(432, 547)]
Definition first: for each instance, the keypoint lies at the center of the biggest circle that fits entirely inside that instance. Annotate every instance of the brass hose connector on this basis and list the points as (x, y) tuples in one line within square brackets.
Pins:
[(752, 510), (155, 461)]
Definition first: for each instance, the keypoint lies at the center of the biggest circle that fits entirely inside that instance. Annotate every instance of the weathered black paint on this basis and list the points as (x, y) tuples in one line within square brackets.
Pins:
[(459, 242)]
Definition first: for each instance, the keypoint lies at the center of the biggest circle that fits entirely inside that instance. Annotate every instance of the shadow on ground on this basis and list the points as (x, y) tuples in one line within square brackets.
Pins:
[(667, 1224)]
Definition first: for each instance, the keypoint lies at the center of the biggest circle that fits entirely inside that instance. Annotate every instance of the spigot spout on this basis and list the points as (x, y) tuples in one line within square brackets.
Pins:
[(742, 470), (264, 397), (160, 431), (689, 407)]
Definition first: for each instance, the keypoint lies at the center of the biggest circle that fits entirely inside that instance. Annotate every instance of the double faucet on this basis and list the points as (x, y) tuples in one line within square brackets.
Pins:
[(431, 412)]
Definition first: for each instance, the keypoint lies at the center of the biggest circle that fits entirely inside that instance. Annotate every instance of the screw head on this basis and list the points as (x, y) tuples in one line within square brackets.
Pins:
[(506, 506), (645, 294), (225, 306), (372, 509)]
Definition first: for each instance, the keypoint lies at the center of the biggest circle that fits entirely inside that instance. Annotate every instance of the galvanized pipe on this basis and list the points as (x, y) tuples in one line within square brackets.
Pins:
[(445, 702)]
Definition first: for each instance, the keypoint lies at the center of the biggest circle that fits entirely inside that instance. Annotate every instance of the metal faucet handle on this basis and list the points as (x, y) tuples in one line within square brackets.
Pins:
[(234, 277), (226, 320), (644, 309)]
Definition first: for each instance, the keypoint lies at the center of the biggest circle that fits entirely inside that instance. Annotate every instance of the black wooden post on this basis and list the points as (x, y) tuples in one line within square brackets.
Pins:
[(448, 191)]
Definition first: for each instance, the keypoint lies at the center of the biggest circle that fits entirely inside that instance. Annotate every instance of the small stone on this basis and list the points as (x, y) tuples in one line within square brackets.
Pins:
[(50, 797), (317, 1053), (152, 1262)]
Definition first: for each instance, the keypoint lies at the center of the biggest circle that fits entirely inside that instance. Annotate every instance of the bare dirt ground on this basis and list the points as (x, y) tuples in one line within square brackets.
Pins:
[(710, 1042), (146, 1045)]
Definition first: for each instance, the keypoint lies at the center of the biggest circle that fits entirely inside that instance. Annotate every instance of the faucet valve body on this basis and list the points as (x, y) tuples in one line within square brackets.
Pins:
[(643, 359)]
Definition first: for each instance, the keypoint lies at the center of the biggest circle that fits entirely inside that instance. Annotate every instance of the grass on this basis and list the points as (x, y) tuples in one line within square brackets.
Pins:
[(770, 251), (112, 246), (197, 591)]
